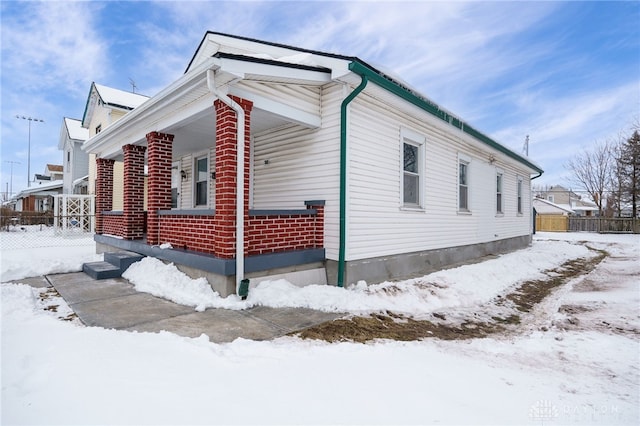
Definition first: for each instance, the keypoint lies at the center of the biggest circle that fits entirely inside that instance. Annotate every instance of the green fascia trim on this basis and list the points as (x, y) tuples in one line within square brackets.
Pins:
[(433, 109)]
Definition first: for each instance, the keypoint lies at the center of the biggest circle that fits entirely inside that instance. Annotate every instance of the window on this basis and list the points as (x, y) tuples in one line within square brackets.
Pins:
[(519, 191), (499, 192), (201, 180), (550, 198), (68, 158), (175, 183), (412, 170), (463, 185)]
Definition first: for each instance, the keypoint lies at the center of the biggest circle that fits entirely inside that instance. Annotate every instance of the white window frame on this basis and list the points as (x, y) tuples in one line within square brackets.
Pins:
[(196, 158), (466, 161), (413, 138), (519, 195), (499, 194)]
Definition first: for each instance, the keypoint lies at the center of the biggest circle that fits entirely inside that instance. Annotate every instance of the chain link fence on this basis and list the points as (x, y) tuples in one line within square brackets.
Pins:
[(23, 230)]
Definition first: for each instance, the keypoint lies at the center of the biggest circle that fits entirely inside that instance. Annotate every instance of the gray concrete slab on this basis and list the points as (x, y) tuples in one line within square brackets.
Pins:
[(79, 287), (127, 310), (220, 325), (292, 319), (37, 282), (114, 303)]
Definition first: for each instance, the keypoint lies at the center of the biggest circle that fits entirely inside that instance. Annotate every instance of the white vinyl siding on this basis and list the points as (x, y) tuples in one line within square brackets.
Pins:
[(375, 228), (293, 164)]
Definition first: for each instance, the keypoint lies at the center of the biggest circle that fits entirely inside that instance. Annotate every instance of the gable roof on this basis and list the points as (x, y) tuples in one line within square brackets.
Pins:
[(547, 207), (113, 98), (246, 52), (245, 48), (75, 130), (54, 168)]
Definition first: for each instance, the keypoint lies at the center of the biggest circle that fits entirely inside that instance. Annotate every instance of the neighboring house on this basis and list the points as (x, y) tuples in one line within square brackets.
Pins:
[(51, 173), (75, 162), (105, 106), (38, 197), (344, 173), (544, 207), (569, 200)]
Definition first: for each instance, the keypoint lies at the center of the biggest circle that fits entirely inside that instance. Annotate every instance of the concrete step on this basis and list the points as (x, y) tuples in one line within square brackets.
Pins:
[(122, 259), (101, 270)]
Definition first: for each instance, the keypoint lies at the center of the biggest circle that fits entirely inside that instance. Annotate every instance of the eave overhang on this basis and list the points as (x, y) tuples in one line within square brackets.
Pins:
[(409, 95), (188, 97)]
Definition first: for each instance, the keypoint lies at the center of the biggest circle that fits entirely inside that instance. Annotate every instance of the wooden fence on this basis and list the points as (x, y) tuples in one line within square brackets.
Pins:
[(552, 223), (603, 225)]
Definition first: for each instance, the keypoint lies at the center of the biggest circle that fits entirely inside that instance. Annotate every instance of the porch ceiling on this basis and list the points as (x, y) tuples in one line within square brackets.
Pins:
[(199, 135)]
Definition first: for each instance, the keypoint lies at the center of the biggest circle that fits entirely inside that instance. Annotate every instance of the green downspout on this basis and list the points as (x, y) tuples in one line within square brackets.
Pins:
[(343, 177)]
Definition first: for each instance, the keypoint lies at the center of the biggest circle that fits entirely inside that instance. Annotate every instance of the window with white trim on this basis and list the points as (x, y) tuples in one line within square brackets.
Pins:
[(412, 187), (519, 192), (499, 201), (463, 185), (201, 180)]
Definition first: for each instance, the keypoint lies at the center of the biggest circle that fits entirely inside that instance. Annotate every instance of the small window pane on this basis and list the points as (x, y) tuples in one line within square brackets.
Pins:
[(463, 174), (411, 192), (410, 158), (201, 193), (202, 170), (463, 198)]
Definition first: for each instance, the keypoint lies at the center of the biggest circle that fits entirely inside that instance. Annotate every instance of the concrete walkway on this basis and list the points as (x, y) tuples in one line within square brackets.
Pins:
[(114, 303)]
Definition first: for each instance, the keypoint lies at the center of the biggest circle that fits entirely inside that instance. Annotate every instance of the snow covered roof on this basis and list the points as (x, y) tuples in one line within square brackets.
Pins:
[(75, 130), (119, 98), (39, 188), (543, 206), (114, 98)]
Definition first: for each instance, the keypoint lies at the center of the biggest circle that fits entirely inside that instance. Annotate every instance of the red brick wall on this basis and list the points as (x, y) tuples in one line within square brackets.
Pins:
[(272, 234), (133, 192), (263, 234), (188, 232), (113, 225), (159, 184), (104, 190)]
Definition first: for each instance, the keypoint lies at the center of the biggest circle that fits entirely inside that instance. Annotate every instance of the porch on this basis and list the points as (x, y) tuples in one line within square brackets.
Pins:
[(194, 205)]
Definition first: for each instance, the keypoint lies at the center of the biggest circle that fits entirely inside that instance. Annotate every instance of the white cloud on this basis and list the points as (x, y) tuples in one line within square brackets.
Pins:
[(53, 44)]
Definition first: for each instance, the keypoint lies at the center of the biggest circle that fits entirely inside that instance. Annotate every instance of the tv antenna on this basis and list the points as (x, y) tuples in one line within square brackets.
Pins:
[(133, 85), (525, 147)]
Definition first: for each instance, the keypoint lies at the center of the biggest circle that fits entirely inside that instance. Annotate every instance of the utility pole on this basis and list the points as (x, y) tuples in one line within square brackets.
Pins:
[(11, 186), (30, 119)]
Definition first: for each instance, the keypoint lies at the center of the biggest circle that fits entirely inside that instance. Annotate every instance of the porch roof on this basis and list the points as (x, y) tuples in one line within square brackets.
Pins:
[(188, 101)]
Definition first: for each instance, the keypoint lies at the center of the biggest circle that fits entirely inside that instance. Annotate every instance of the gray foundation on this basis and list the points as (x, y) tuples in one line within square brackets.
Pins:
[(403, 266)]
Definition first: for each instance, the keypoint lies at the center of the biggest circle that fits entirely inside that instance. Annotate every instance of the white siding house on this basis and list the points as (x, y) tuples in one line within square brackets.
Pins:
[(397, 185), (75, 162)]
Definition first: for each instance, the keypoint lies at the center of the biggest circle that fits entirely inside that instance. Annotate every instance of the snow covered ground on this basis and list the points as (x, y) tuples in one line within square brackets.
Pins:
[(576, 359)]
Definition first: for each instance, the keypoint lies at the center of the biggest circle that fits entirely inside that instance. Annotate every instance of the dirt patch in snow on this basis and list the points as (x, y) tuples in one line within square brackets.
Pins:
[(512, 306)]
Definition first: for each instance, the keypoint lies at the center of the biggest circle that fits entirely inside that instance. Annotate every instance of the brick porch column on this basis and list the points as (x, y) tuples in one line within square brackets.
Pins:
[(226, 167), (104, 190), (133, 192), (159, 184)]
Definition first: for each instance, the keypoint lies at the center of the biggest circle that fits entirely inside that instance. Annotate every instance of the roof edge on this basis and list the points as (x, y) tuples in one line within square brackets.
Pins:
[(362, 68)]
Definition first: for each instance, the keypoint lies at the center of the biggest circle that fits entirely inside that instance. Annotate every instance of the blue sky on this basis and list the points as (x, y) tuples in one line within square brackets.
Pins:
[(565, 73)]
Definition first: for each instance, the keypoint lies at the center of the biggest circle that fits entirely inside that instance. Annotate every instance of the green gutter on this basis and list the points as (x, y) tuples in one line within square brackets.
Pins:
[(433, 109), (343, 176)]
